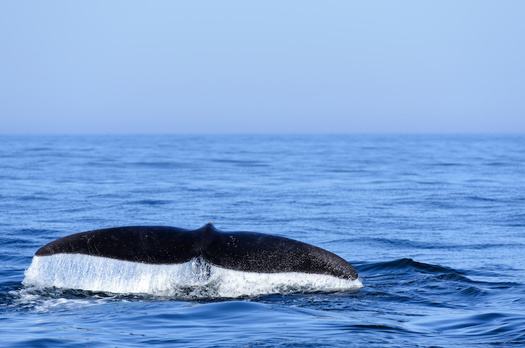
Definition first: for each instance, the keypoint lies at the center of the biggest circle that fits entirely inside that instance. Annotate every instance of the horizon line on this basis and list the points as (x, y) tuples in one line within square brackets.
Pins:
[(516, 133)]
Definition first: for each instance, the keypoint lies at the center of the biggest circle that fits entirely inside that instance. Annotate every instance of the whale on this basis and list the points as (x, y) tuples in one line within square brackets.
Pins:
[(240, 251)]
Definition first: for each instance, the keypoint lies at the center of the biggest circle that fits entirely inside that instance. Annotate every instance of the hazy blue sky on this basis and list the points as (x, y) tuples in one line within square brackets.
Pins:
[(262, 66)]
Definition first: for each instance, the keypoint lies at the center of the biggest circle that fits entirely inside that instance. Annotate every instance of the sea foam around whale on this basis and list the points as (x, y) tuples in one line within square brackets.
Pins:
[(194, 279)]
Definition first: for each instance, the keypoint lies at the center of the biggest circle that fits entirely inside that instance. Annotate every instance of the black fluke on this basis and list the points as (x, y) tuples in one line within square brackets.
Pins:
[(243, 251)]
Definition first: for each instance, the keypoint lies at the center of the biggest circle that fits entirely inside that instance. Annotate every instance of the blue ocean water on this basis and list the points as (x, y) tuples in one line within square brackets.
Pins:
[(434, 224)]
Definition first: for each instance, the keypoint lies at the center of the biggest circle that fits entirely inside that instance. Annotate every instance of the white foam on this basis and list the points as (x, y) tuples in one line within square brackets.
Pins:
[(196, 278)]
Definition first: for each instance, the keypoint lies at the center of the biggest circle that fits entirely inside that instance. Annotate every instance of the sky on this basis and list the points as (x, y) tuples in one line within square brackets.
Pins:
[(228, 67)]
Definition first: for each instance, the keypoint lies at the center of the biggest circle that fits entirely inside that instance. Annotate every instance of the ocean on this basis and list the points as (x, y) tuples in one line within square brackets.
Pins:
[(434, 225)]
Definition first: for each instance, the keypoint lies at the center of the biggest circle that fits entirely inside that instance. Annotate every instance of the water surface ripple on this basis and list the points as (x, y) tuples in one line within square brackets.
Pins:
[(434, 225)]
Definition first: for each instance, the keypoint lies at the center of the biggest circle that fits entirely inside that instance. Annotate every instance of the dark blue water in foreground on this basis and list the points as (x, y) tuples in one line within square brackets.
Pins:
[(435, 226)]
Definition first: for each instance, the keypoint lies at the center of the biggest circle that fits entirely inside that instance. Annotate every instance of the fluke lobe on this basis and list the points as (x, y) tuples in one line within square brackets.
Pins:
[(242, 251)]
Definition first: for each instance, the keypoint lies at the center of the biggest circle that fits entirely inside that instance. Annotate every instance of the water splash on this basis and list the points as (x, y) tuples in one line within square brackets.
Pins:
[(194, 279)]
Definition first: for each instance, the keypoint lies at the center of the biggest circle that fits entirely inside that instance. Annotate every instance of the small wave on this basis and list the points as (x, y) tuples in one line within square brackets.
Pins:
[(152, 202), (398, 243), (40, 301), (405, 265), (160, 165), (194, 279), (36, 197), (448, 164), (495, 327), (499, 164), (481, 199), (241, 163), (418, 245)]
